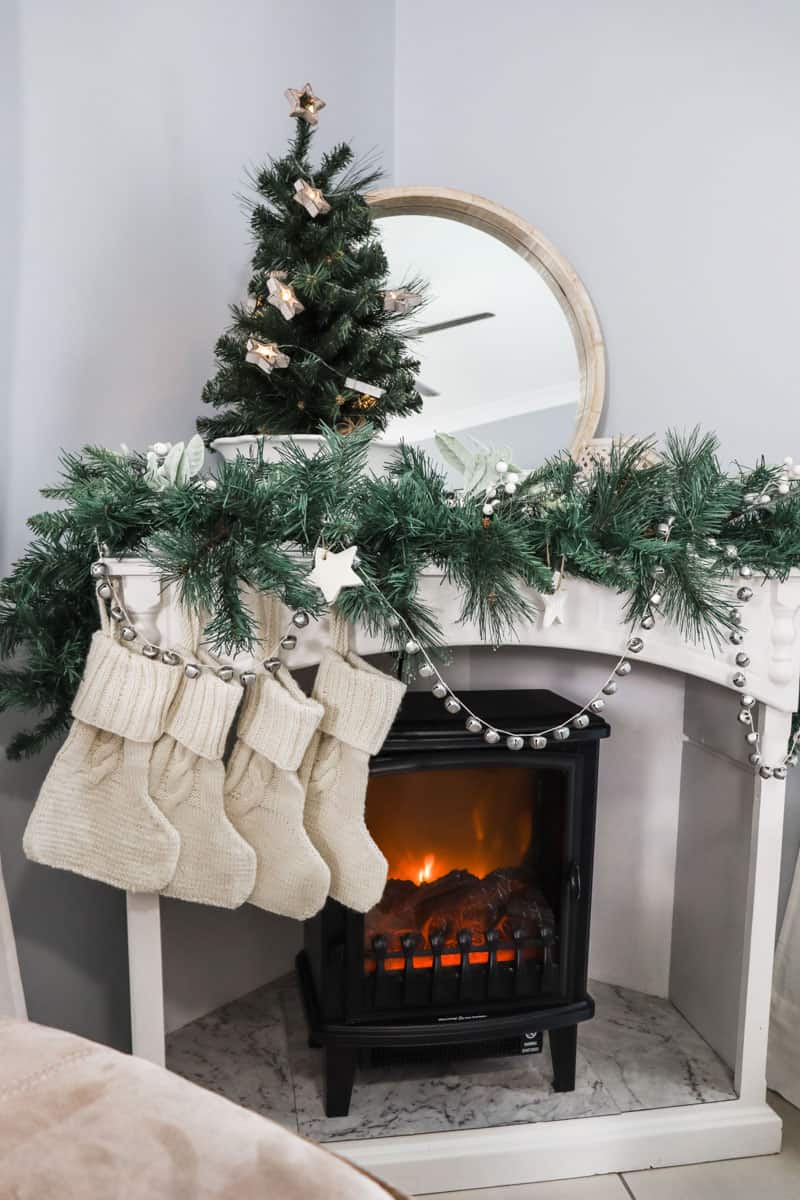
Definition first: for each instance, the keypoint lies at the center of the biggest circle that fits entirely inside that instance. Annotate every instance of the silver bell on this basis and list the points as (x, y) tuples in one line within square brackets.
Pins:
[(452, 705), (739, 680), (636, 645), (648, 621), (271, 665), (225, 674), (561, 734), (745, 572), (751, 737), (744, 594), (473, 725), (742, 659), (515, 742), (246, 678), (736, 637), (300, 619), (439, 690), (98, 570), (765, 772), (597, 705), (191, 670), (104, 590), (754, 759), (171, 658), (491, 737), (288, 641), (581, 721), (412, 647), (624, 668), (538, 742), (747, 701), (779, 772), (744, 716), (150, 651), (117, 613), (128, 633), (426, 670)]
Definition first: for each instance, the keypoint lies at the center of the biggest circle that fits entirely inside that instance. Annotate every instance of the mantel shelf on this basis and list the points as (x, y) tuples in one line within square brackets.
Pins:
[(593, 622)]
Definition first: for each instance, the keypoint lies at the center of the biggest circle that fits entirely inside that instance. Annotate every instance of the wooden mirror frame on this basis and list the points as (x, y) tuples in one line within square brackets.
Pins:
[(524, 239)]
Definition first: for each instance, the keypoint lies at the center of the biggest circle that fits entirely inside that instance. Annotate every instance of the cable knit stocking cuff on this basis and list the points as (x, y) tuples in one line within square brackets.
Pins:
[(279, 720), (202, 714), (360, 702), (123, 692)]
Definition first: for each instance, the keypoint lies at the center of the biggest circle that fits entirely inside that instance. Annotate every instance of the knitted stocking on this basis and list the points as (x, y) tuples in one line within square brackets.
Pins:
[(216, 865), (265, 798), (94, 814), (360, 705)]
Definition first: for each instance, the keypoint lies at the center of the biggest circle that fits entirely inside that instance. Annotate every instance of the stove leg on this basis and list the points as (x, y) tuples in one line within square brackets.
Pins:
[(340, 1070), (563, 1051)]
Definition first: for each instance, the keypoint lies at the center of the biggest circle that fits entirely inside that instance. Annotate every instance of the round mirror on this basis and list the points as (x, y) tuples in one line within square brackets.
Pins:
[(510, 347)]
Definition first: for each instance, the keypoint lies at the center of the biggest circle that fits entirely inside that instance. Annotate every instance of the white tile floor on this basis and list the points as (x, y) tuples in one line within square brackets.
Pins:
[(776, 1177)]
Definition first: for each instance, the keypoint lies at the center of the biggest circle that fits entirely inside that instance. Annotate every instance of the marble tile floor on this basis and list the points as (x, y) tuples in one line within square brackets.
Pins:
[(637, 1053)]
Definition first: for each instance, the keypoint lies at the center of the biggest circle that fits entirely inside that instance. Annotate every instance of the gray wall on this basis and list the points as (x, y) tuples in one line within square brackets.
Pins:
[(656, 145), (126, 130)]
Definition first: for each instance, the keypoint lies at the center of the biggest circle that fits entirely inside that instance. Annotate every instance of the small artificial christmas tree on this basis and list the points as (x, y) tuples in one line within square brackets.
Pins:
[(321, 341)]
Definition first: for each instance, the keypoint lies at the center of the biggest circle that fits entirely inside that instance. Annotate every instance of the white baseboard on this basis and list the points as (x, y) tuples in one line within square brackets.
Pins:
[(514, 1154)]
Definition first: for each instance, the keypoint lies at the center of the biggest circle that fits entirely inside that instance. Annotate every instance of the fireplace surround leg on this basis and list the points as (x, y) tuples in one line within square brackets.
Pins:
[(340, 1070), (563, 1052)]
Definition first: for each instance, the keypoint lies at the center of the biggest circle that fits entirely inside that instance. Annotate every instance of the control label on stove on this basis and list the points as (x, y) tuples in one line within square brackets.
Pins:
[(463, 1017)]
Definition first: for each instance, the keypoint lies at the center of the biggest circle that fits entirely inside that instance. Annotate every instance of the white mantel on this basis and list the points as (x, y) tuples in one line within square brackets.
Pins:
[(593, 623), (716, 921)]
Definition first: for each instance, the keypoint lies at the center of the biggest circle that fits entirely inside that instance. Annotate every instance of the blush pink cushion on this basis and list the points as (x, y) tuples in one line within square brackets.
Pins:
[(81, 1122)]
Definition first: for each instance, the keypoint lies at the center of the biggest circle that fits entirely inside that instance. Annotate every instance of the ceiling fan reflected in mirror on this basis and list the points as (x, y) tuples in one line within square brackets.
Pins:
[(438, 327)]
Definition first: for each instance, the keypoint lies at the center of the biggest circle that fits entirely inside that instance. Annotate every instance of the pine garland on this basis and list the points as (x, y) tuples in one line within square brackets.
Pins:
[(260, 521)]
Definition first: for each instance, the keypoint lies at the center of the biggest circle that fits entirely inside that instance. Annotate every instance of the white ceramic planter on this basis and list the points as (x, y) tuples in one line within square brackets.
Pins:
[(378, 454)]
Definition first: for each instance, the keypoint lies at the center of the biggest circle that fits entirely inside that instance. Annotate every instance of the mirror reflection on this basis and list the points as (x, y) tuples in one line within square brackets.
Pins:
[(499, 360)]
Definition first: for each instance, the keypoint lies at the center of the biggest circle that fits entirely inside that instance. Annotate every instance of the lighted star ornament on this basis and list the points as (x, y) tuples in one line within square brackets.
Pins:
[(304, 103), (400, 300), (266, 355), (310, 198), (333, 570), (282, 295)]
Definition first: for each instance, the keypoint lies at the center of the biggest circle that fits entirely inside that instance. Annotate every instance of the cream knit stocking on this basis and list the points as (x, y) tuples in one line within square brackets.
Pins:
[(94, 814), (360, 705), (265, 798), (187, 778)]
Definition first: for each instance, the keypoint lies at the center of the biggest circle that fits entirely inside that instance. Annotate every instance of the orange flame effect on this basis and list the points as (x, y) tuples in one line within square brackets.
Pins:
[(430, 823)]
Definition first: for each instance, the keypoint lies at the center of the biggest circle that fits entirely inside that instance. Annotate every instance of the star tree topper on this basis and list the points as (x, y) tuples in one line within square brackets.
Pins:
[(304, 103), (333, 570)]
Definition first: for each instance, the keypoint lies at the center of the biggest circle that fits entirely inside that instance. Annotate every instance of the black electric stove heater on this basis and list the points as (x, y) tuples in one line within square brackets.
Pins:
[(480, 942)]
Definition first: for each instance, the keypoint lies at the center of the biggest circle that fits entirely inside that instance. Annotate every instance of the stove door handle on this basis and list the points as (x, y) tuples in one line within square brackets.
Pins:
[(575, 884)]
